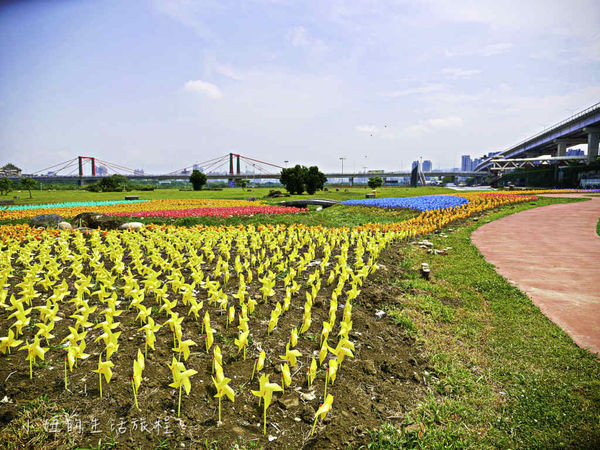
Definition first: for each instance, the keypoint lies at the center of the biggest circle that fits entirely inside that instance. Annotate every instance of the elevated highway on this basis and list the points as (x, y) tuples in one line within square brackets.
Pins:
[(581, 128)]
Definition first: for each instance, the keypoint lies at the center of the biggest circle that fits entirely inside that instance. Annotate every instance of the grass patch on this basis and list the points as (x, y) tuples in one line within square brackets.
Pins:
[(505, 375)]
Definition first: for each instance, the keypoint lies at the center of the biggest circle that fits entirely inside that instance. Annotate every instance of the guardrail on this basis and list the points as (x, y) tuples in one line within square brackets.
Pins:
[(556, 125)]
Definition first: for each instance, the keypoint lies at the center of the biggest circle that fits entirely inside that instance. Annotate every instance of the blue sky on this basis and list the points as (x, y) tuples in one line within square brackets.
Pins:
[(162, 84)]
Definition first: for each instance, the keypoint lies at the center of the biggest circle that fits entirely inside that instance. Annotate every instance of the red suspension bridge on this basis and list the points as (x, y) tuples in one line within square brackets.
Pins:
[(227, 166), (90, 168)]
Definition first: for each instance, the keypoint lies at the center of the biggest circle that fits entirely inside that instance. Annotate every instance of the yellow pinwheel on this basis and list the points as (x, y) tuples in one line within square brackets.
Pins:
[(7, 342), (230, 316), (150, 329), (222, 387), (104, 368), (330, 374), (34, 350), (290, 355), (251, 305), (258, 364), (312, 371), (209, 338), (184, 347), (75, 352), (195, 307), (322, 411), (294, 338), (217, 358), (325, 332), (306, 321), (136, 379), (286, 376), (266, 393), (181, 378), (242, 342), (343, 349)]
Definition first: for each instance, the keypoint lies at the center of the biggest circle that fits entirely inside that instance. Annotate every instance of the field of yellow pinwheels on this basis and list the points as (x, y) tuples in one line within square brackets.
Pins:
[(209, 335)]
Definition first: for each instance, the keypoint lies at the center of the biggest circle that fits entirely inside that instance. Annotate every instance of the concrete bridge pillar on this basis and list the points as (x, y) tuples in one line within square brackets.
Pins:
[(564, 143), (593, 141)]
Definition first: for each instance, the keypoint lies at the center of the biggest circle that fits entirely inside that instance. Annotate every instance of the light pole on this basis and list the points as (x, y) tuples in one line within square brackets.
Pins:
[(286, 163), (342, 159)]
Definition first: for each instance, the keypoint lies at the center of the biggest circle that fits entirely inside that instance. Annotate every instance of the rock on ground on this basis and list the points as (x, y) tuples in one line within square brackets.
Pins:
[(131, 226), (46, 220), (97, 220)]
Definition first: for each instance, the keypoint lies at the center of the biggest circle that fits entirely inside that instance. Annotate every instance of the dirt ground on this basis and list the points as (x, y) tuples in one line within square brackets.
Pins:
[(380, 384)]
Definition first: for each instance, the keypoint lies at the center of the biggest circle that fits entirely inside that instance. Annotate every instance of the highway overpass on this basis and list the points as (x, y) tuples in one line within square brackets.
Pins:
[(581, 128)]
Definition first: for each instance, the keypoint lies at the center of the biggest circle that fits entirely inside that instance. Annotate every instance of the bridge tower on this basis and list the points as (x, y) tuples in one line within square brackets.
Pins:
[(92, 160), (237, 159)]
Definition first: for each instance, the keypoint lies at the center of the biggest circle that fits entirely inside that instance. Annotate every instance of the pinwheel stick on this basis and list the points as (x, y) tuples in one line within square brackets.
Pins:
[(179, 404), (314, 425), (134, 393), (220, 407), (100, 377)]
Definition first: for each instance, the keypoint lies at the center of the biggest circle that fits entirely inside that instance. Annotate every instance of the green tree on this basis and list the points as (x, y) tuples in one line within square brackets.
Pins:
[(198, 179), (299, 178), (5, 186), (314, 180), (29, 184), (293, 179), (114, 183), (375, 182)]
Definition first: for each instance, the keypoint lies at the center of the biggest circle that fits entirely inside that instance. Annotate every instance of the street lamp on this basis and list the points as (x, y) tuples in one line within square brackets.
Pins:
[(286, 163), (342, 159)]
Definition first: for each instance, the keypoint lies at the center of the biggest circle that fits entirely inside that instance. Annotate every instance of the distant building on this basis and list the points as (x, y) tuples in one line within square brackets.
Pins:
[(10, 170), (101, 171), (138, 172), (466, 163), (475, 163), (575, 152), (427, 166)]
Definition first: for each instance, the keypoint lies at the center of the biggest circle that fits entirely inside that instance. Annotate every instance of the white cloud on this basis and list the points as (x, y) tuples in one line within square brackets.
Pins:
[(204, 87), (298, 36), (433, 125), (496, 49), (228, 72), (556, 18), (493, 49), (366, 128), (424, 89), (457, 73)]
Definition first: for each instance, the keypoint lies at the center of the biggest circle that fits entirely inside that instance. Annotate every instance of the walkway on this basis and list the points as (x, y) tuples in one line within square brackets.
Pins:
[(552, 254)]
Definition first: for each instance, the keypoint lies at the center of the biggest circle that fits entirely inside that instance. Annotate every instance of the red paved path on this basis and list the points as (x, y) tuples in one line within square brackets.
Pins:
[(552, 254)]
